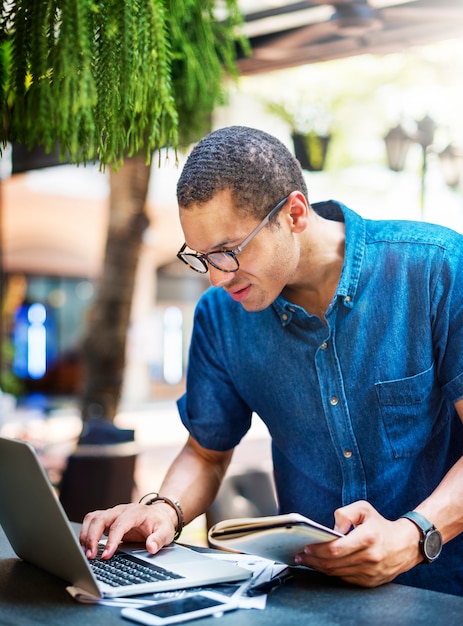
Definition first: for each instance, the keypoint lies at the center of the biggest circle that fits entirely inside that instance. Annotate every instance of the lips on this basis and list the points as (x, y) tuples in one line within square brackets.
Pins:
[(239, 295)]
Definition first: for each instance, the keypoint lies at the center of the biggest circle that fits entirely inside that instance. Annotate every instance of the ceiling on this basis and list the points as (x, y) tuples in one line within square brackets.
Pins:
[(287, 34)]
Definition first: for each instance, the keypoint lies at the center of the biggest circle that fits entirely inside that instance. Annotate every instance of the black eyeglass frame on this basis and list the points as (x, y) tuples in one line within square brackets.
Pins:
[(205, 259)]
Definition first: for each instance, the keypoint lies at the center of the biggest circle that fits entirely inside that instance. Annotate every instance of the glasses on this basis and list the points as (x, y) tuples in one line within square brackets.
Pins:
[(225, 260)]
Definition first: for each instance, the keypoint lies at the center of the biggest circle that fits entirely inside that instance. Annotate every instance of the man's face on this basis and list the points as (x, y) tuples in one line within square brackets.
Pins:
[(265, 264)]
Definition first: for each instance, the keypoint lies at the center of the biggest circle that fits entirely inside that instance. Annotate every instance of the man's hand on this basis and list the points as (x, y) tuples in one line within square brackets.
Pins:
[(155, 525), (371, 554)]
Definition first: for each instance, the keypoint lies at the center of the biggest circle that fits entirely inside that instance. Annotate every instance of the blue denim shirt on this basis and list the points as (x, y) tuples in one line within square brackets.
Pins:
[(360, 407)]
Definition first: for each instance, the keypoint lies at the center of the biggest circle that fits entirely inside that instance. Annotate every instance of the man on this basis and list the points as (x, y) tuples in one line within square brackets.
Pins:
[(346, 336)]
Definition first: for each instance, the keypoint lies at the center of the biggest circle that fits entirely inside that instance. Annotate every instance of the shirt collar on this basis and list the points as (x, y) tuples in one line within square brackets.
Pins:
[(354, 246)]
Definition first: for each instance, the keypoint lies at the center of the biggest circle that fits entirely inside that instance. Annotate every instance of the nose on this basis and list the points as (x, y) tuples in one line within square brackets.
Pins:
[(218, 278)]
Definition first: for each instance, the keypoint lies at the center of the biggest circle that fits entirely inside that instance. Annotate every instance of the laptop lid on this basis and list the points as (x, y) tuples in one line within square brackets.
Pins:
[(39, 532)]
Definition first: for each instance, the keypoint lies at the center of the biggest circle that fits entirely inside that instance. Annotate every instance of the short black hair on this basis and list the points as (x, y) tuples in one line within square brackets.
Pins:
[(255, 166)]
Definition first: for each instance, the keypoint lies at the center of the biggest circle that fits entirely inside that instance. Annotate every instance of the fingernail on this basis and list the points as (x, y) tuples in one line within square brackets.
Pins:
[(307, 550), (298, 559), (153, 546)]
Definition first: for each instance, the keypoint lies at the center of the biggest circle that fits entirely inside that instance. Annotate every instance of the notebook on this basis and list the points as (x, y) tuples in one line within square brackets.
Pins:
[(40, 533)]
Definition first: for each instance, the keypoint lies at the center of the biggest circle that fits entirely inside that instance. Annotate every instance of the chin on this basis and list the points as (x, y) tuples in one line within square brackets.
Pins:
[(255, 307)]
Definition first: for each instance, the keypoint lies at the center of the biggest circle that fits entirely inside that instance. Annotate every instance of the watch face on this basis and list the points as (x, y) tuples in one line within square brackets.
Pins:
[(432, 545)]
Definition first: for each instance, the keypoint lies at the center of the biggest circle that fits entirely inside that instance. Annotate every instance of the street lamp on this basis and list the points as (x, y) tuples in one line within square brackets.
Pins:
[(398, 142), (451, 160)]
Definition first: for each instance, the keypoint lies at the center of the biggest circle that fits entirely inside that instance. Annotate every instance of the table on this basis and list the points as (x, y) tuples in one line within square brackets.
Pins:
[(29, 596)]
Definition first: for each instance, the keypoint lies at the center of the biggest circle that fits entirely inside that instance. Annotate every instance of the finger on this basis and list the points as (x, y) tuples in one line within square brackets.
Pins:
[(343, 567), (91, 533), (330, 554), (95, 525), (158, 540), (153, 544), (352, 515), (343, 524), (314, 555), (119, 529), (139, 523), (360, 566)]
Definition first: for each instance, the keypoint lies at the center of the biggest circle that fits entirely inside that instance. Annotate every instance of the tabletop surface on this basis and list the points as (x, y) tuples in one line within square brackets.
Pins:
[(29, 596)]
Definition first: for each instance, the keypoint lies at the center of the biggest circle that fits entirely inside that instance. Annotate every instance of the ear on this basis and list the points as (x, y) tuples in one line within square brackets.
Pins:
[(298, 211)]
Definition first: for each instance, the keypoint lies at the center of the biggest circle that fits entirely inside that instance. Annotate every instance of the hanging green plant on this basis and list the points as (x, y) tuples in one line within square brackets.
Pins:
[(203, 51), (108, 79)]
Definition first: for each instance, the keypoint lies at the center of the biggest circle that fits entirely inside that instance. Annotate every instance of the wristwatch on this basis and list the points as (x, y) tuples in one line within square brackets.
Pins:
[(431, 539)]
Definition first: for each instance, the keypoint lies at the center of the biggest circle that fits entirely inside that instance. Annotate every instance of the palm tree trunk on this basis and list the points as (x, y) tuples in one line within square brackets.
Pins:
[(105, 345)]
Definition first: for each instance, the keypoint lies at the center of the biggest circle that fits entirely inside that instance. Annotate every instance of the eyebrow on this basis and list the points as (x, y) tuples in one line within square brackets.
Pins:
[(220, 246), (217, 248)]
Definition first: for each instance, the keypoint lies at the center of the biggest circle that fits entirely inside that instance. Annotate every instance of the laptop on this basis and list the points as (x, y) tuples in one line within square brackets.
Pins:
[(40, 533)]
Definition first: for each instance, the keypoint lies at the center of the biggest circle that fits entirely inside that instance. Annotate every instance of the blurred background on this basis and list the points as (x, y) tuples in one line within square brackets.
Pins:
[(368, 96)]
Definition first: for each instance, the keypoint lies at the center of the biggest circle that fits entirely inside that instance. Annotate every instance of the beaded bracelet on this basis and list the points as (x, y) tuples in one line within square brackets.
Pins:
[(173, 503)]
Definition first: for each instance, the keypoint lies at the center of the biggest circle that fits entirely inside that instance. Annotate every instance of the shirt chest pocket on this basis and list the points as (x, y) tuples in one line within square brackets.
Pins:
[(413, 411)]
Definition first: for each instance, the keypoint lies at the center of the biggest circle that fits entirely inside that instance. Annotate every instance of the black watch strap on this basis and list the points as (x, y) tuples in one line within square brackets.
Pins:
[(431, 539), (423, 524)]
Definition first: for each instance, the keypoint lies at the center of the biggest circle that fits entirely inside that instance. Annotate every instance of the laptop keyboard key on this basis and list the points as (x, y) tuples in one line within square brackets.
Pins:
[(124, 569)]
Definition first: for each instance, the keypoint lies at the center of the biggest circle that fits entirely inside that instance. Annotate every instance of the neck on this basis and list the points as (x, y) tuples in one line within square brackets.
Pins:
[(319, 270)]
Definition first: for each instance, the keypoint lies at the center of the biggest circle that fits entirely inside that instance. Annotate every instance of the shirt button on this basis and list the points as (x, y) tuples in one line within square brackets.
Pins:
[(347, 299), (324, 346), (334, 401), (284, 317), (347, 453)]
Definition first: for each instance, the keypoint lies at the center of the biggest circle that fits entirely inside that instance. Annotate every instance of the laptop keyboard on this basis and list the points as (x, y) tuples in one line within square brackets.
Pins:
[(124, 569)]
